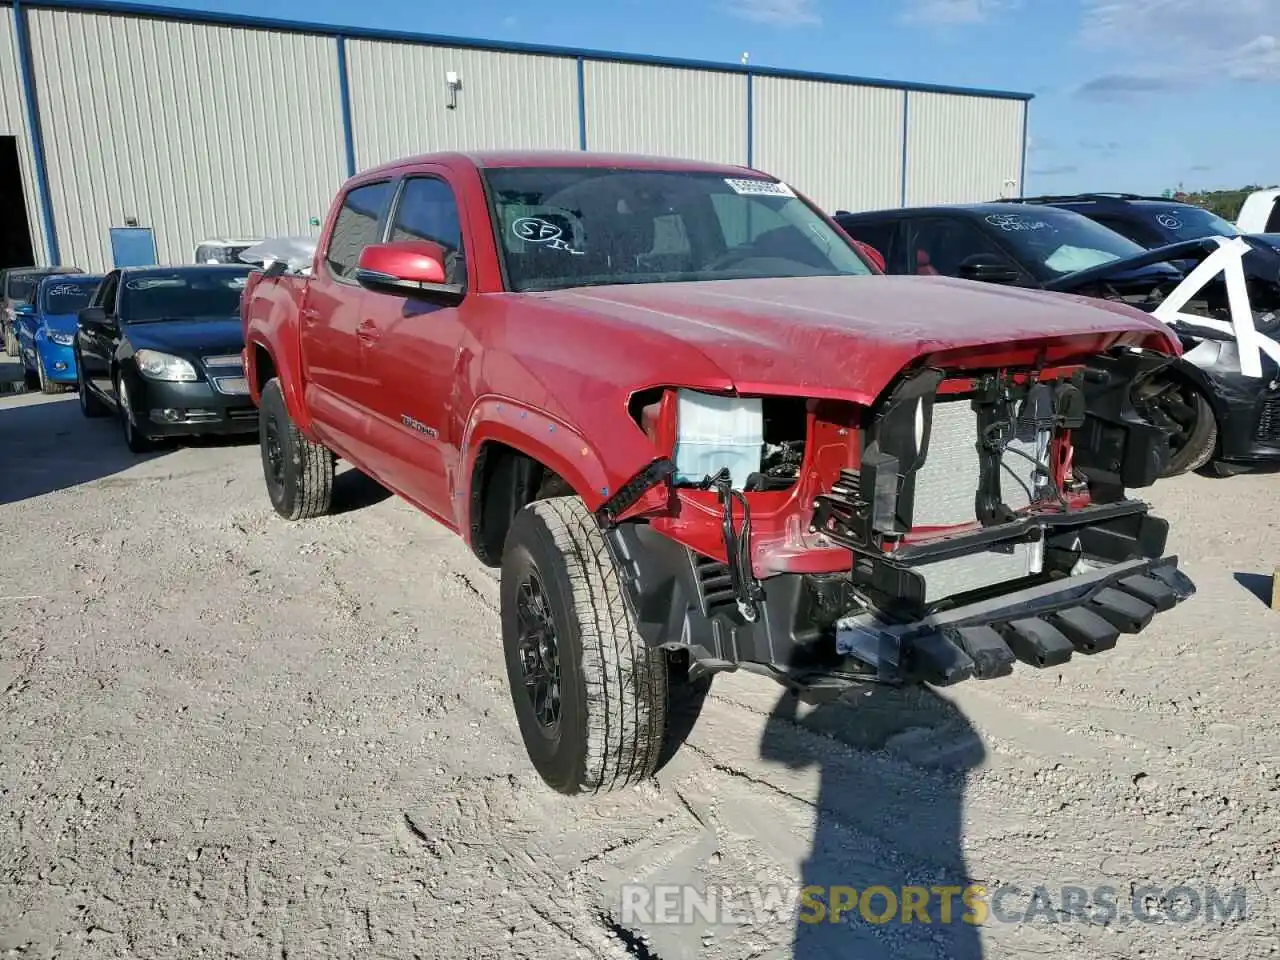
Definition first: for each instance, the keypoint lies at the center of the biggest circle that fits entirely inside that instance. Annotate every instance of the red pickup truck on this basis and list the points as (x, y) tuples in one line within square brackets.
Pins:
[(699, 431)]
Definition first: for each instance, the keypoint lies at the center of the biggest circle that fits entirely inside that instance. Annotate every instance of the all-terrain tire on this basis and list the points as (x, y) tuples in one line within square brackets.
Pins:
[(612, 687), (1198, 449), (300, 484)]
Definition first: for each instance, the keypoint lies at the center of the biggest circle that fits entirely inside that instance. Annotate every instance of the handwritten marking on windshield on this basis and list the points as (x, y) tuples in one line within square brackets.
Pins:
[(537, 230), (1011, 222), (1169, 221), (65, 289)]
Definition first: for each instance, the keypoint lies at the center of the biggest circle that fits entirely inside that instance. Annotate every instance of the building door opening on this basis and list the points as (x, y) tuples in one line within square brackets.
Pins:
[(15, 227)]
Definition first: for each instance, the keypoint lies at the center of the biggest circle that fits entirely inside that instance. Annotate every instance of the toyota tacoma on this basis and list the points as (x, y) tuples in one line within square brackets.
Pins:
[(699, 431)]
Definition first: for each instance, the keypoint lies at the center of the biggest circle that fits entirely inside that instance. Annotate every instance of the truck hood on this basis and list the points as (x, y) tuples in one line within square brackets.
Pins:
[(844, 336), (60, 322)]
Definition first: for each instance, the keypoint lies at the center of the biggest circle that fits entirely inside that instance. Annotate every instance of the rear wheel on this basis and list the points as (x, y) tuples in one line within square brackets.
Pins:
[(298, 472), (590, 696), (1186, 414)]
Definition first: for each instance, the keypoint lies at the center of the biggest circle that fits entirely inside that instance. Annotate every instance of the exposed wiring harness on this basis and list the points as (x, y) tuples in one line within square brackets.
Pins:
[(746, 588)]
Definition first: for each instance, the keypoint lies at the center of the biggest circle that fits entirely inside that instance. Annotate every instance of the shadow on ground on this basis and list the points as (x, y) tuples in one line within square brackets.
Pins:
[(1259, 584), (48, 445), (892, 766)]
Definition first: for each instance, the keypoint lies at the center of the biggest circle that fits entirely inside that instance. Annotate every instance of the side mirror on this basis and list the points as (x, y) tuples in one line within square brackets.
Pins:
[(408, 268), (94, 319), (24, 310), (988, 268)]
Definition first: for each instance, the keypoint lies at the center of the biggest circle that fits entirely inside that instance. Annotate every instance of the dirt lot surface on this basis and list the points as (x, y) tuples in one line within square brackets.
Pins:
[(227, 736)]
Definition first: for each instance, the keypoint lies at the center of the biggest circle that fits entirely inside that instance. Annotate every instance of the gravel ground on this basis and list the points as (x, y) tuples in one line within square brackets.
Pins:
[(227, 736)]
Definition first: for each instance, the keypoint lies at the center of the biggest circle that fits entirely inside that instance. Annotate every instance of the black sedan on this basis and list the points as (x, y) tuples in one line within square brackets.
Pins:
[(161, 348), (1213, 413)]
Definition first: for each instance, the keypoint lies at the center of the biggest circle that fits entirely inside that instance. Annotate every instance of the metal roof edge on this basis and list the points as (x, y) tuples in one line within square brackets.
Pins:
[(214, 18)]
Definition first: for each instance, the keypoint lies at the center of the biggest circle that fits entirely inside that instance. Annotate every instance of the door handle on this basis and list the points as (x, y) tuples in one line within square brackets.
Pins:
[(367, 331)]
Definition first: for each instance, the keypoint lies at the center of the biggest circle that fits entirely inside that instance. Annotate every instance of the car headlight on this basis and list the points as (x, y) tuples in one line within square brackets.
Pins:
[(62, 339), (155, 365)]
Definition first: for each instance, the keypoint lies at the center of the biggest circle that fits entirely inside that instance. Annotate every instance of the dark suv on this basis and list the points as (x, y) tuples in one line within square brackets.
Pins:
[(1211, 411), (1148, 221)]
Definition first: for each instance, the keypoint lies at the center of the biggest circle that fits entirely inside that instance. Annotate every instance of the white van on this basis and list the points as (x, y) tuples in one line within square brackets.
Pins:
[(1260, 212), (223, 251)]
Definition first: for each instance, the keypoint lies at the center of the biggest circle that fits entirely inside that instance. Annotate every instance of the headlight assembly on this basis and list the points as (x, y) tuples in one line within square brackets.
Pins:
[(62, 339), (164, 366)]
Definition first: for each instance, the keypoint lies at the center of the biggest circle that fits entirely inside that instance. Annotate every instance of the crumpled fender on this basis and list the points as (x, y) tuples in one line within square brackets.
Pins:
[(595, 470)]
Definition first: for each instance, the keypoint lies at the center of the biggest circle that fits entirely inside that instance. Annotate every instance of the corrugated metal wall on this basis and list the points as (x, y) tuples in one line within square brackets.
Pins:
[(197, 131), (839, 144), (204, 130), (399, 101), (13, 123), (962, 149), (668, 111)]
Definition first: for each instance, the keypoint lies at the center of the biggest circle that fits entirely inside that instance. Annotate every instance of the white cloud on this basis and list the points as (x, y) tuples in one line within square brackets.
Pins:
[(952, 12), (777, 12), (1191, 39)]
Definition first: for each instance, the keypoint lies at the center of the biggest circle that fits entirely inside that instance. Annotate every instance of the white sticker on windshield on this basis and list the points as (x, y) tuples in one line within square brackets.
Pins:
[(149, 283), (760, 188), (61, 289), (1169, 221), (1012, 221)]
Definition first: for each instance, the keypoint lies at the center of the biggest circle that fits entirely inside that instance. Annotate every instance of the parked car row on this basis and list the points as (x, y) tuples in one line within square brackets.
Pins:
[(1126, 248)]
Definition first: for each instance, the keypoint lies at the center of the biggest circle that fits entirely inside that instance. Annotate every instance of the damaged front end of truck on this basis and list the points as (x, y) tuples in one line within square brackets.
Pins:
[(974, 516)]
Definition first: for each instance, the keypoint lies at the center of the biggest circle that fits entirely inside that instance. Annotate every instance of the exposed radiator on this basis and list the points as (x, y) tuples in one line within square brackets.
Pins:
[(948, 482)]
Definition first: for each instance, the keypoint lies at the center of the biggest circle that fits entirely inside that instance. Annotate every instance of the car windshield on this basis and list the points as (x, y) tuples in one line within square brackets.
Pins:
[(1057, 242), (1178, 223), (19, 288), (559, 228), (67, 296), (196, 294)]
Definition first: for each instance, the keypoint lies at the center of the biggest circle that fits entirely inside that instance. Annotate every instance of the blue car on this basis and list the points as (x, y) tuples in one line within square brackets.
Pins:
[(46, 328)]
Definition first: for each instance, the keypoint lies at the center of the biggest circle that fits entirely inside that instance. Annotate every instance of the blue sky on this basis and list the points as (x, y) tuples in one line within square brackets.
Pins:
[(1131, 95)]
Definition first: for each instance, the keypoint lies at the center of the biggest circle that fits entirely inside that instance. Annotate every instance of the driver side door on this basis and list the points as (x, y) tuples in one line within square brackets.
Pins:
[(94, 348)]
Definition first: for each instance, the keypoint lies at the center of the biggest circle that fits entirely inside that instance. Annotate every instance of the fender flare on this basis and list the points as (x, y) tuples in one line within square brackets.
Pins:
[(541, 436), (285, 372)]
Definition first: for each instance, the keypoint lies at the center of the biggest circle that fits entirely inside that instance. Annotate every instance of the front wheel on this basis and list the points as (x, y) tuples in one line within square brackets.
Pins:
[(10, 342), (1186, 415), (90, 405), (298, 472), (133, 439), (46, 385), (590, 696)]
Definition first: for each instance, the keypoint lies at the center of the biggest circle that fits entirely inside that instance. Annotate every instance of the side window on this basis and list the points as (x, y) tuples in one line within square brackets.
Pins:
[(356, 227), (874, 233), (1127, 228), (939, 245), (105, 295), (1273, 221), (428, 210)]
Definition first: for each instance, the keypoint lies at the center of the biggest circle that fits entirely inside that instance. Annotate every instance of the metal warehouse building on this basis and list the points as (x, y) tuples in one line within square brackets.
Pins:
[(207, 125)]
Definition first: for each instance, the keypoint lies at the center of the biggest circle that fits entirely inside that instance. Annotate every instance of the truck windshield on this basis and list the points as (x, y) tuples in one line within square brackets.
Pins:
[(559, 228), (67, 296), (186, 294)]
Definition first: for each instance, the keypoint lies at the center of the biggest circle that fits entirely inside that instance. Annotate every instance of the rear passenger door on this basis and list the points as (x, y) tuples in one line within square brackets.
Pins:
[(938, 245), (339, 390)]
